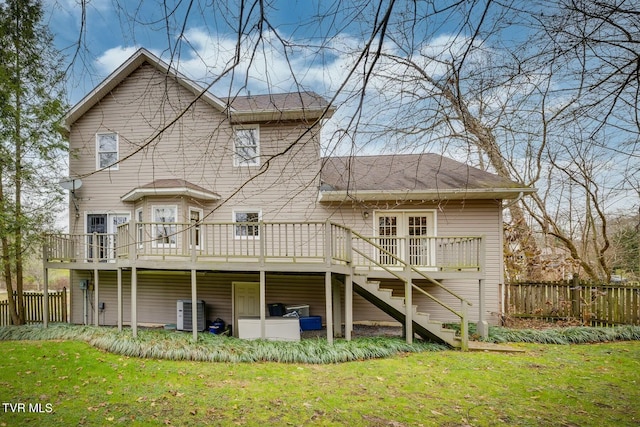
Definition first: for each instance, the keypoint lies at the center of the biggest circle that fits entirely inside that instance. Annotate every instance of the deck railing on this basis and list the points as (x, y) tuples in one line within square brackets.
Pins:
[(429, 253), (264, 242)]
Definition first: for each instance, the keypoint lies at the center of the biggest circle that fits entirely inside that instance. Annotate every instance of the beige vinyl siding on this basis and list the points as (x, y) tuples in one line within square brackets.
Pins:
[(158, 293), (197, 148)]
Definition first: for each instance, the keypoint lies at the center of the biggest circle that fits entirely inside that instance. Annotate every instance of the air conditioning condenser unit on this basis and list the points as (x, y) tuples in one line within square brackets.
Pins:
[(185, 315)]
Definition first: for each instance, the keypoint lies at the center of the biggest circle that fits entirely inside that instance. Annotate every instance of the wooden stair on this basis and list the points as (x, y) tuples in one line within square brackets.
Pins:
[(395, 306)]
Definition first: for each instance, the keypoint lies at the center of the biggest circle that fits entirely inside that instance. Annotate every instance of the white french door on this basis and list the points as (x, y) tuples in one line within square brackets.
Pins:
[(406, 235), (106, 228)]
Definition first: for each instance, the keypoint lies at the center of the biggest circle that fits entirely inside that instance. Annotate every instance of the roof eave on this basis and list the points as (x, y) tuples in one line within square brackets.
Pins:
[(422, 195), (123, 71), (139, 193), (306, 114)]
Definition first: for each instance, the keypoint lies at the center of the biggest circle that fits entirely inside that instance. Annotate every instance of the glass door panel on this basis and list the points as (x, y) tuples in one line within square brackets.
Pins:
[(417, 231), (388, 233)]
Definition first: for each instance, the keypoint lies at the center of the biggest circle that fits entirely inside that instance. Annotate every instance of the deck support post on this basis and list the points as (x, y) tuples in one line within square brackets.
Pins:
[(263, 304), (348, 309), (119, 276), (483, 326), (96, 297), (194, 304), (337, 309), (329, 302), (134, 301), (408, 297)]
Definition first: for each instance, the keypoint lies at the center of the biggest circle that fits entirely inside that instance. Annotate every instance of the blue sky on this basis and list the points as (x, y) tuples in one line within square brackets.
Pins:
[(113, 30), (320, 50)]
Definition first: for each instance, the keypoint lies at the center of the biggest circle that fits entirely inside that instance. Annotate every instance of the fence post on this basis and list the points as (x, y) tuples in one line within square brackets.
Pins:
[(65, 312), (575, 296)]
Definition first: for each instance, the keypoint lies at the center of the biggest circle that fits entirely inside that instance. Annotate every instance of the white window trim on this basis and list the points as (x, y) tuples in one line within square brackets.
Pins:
[(200, 229), (112, 231), (402, 227), (139, 216), (402, 214), (114, 166), (237, 162), (235, 229), (154, 236)]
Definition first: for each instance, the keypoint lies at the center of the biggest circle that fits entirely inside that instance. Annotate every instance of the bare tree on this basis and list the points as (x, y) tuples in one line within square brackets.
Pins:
[(544, 93)]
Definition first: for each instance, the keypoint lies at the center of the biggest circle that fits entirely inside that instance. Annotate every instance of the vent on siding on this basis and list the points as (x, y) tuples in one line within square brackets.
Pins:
[(185, 315)]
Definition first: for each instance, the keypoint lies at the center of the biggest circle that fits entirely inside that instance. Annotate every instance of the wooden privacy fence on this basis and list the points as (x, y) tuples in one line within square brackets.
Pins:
[(33, 305), (592, 304)]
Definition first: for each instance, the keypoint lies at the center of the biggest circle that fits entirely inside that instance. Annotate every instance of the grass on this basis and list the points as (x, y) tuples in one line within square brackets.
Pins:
[(547, 385)]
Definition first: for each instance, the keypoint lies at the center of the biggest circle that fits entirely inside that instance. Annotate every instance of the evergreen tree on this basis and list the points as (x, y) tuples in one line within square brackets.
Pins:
[(31, 105)]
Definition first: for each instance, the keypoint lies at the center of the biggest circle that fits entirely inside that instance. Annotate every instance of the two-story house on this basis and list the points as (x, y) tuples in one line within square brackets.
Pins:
[(178, 195)]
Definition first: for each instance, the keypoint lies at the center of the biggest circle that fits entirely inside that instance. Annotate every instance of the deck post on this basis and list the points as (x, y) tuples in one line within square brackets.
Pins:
[(119, 277), (134, 301), (329, 309), (263, 304), (337, 309), (464, 326), (348, 309), (483, 326), (263, 243), (96, 297), (133, 238), (327, 243), (194, 304), (408, 296), (192, 239)]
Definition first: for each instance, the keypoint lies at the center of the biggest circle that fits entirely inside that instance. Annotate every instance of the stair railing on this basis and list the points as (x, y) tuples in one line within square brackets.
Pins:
[(464, 303)]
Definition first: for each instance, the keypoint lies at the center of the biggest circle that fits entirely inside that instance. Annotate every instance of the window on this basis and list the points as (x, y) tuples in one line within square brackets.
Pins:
[(164, 225), (107, 150), (139, 218), (248, 226), (195, 219), (246, 146)]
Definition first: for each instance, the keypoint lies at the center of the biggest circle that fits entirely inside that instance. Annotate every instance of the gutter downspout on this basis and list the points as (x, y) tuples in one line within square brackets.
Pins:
[(514, 201)]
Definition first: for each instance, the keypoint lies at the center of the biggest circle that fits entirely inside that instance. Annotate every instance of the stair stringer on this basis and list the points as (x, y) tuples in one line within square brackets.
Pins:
[(395, 307)]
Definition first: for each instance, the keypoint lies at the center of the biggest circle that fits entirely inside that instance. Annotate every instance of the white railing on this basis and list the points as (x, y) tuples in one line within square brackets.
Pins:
[(265, 241), (90, 247), (429, 253)]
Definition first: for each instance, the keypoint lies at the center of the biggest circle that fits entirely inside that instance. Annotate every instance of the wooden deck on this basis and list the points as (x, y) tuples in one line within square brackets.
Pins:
[(291, 247), (286, 246)]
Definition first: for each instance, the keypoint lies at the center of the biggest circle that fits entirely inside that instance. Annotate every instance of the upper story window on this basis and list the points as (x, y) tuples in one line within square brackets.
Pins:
[(246, 146), (107, 150), (248, 223)]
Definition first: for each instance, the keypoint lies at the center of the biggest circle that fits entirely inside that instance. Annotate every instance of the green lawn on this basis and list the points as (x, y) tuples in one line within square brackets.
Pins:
[(547, 385)]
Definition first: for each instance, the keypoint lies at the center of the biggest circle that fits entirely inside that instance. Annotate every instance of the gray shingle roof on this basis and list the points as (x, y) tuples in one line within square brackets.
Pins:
[(277, 102), (408, 173)]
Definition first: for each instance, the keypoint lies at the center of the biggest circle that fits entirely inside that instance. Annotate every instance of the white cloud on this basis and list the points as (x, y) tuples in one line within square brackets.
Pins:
[(113, 58)]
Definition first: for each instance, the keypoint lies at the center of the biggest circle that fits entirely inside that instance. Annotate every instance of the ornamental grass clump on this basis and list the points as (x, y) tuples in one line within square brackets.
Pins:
[(570, 335), (172, 345)]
